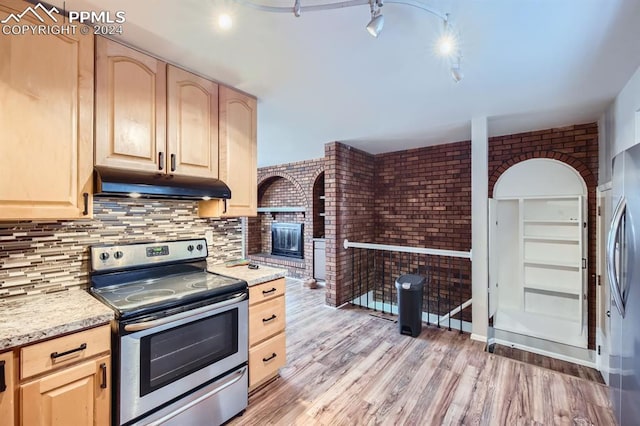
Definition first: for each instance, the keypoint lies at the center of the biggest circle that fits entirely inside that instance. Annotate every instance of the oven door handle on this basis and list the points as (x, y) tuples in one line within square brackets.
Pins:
[(162, 321), (225, 383)]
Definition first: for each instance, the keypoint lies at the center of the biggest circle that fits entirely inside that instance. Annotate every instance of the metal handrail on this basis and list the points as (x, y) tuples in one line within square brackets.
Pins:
[(445, 317), (406, 249)]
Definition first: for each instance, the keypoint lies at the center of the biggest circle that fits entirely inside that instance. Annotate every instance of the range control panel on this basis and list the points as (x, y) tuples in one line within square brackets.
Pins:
[(126, 256)]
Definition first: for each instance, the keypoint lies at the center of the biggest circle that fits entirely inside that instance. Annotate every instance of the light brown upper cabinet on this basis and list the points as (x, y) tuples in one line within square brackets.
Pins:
[(46, 123), (153, 117), (130, 108), (192, 124), (238, 157)]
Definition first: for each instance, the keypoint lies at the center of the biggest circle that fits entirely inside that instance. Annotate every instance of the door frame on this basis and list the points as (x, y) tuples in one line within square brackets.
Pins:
[(603, 296)]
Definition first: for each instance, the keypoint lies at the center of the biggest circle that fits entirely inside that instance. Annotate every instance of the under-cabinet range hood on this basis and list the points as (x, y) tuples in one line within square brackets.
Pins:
[(128, 183)]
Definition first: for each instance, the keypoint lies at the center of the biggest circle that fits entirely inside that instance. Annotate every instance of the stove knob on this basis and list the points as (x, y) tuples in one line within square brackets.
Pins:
[(104, 256), (118, 255), (190, 247), (199, 247)]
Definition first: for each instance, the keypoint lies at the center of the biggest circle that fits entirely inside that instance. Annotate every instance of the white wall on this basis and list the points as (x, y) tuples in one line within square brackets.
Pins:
[(621, 118), (479, 227)]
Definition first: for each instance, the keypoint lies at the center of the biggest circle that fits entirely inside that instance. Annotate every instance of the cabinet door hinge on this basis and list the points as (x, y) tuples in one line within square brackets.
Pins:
[(599, 279), (584, 263), (599, 211), (599, 350)]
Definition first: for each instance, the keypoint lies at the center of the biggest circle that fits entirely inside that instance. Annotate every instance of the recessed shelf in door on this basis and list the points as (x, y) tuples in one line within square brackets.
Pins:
[(551, 264), (554, 288), (549, 238), (552, 221)]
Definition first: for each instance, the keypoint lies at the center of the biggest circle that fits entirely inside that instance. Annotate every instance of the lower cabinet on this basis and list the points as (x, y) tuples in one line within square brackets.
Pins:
[(63, 381), (7, 389), (78, 395), (267, 343)]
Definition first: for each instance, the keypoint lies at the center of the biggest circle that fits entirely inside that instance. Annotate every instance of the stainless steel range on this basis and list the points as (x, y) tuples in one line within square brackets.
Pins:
[(180, 335)]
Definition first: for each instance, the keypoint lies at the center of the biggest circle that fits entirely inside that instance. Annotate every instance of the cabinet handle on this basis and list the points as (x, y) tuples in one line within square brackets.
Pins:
[(173, 162), (271, 318), (265, 292), (3, 383), (103, 369), (161, 160), (224, 202), (85, 212), (55, 355), (269, 358)]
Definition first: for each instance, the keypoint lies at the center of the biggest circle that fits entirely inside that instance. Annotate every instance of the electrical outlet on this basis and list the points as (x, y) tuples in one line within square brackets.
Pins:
[(208, 235)]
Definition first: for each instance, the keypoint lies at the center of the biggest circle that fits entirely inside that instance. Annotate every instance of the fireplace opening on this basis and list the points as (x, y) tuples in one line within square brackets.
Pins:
[(287, 239)]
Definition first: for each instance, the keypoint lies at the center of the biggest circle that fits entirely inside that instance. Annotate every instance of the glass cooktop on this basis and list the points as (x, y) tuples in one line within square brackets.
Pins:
[(158, 291)]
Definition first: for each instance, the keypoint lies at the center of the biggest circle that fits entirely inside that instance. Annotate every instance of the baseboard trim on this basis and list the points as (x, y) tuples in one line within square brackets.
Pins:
[(546, 353), (478, 338)]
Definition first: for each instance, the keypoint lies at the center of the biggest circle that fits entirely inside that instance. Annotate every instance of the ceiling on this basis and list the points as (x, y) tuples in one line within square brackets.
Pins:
[(528, 64)]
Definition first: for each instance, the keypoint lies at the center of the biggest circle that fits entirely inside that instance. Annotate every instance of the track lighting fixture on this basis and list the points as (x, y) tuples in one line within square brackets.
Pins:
[(377, 19), (447, 44), (456, 70)]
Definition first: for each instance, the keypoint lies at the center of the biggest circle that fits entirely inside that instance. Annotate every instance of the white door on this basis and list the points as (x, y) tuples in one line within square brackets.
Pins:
[(603, 298)]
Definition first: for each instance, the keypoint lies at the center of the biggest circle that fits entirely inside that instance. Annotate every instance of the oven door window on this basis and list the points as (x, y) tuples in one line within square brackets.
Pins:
[(172, 354)]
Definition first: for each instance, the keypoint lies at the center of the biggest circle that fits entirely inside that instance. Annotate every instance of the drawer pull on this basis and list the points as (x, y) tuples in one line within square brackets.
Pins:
[(269, 358), (55, 355), (271, 318), (3, 382), (265, 292), (103, 368)]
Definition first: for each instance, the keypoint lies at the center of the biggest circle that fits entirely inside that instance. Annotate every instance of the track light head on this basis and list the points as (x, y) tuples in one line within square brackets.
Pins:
[(375, 25), (456, 71)]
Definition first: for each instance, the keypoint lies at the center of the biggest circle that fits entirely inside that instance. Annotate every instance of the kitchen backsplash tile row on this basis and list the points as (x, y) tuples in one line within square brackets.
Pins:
[(51, 256)]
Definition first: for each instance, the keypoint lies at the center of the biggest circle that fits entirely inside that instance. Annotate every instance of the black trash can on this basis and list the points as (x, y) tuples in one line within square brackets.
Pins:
[(410, 304)]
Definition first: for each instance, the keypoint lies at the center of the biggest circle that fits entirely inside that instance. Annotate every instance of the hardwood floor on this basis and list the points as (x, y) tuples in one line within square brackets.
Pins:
[(347, 367), (550, 363)]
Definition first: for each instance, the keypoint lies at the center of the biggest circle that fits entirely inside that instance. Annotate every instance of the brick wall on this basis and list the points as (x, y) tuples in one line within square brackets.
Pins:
[(419, 197), (576, 146), (285, 185), (350, 213), (423, 199)]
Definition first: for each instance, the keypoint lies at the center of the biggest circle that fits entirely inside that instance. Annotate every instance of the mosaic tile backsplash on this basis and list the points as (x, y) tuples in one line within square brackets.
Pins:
[(46, 257)]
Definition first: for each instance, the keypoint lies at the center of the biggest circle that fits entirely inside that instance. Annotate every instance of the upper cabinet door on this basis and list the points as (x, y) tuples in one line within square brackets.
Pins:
[(46, 121), (192, 128), (238, 157), (130, 108)]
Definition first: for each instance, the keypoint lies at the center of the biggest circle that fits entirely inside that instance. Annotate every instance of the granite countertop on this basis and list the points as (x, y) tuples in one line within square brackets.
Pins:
[(28, 320), (251, 276)]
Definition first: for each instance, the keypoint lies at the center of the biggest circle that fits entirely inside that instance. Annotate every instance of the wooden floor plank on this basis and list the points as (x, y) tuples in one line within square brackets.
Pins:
[(347, 367)]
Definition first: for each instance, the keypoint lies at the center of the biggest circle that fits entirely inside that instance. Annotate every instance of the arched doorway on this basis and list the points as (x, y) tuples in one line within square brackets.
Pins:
[(538, 255)]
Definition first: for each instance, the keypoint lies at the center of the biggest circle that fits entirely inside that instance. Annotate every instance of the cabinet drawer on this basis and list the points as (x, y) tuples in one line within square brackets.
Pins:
[(266, 291), (266, 358), (266, 319), (49, 355)]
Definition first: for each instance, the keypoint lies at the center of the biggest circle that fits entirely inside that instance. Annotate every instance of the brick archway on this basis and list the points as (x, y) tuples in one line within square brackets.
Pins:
[(274, 175)]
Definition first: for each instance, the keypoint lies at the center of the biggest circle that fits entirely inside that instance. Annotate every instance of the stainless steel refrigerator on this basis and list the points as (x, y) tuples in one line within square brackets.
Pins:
[(623, 268)]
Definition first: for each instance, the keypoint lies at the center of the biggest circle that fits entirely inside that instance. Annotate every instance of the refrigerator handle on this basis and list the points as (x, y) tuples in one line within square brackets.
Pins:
[(618, 214)]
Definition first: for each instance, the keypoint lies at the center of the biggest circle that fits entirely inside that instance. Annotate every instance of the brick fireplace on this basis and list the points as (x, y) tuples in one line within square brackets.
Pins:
[(285, 195)]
